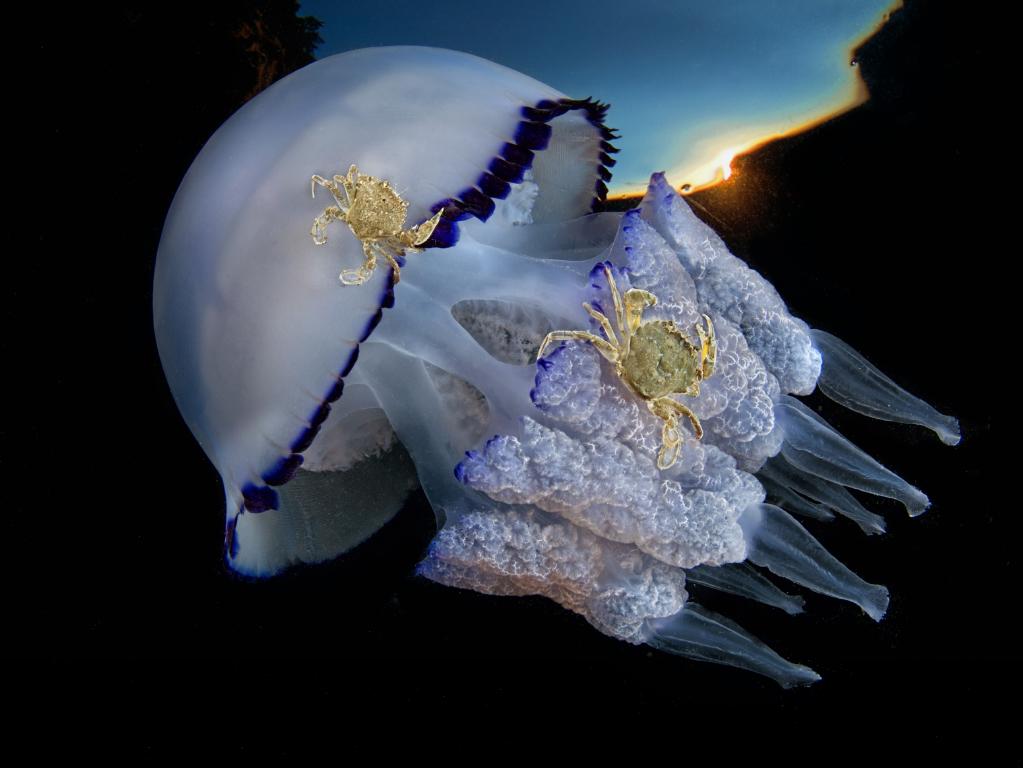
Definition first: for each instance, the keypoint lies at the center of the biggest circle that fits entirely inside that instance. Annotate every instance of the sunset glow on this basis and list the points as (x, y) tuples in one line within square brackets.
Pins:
[(706, 82)]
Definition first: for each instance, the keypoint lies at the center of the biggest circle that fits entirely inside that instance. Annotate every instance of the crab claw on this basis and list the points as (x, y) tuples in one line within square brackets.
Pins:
[(708, 347), (420, 233)]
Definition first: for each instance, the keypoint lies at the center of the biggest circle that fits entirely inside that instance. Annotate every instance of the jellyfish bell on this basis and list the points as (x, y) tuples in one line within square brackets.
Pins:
[(323, 389), (255, 333)]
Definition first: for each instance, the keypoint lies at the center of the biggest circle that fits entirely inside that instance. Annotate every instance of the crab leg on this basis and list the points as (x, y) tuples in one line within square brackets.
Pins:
[(617, 298), (320, 224), (360, 275), (605, 348), (671, 445), (326, 183), (390, 253), (671, 439), (332, 187), (684, 410), (601, 318)]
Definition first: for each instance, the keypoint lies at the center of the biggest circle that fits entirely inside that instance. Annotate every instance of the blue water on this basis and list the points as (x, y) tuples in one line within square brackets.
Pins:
[(689, 81)]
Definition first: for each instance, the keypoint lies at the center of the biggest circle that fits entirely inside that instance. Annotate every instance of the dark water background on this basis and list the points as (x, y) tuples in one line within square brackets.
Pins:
[(869, 225)]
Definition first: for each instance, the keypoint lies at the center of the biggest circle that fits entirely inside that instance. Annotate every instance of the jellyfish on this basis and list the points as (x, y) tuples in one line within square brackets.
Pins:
[(393, 269)]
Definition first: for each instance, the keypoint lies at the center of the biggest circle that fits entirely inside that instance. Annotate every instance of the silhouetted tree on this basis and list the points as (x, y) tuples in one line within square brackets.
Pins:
[(277, 41)]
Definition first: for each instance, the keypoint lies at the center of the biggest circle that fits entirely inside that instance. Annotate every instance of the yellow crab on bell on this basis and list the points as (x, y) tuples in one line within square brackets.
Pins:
[(375, 213)]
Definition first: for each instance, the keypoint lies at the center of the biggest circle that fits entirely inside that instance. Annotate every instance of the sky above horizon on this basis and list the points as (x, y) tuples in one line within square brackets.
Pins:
[(690, 83)]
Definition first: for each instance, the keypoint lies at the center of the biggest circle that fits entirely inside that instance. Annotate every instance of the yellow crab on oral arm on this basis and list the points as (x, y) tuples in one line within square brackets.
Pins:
[(375, 213), (654, 359)]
